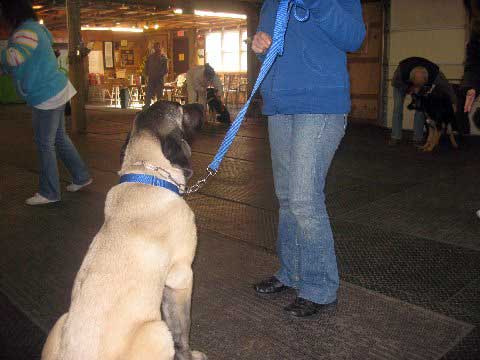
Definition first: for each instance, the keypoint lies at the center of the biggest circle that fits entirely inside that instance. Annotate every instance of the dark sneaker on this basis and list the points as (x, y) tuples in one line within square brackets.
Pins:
[(303, 308), (270, 286)]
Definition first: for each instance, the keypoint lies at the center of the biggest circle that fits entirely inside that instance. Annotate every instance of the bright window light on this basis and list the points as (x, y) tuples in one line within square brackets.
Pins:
[(226, 50), (220, 14)]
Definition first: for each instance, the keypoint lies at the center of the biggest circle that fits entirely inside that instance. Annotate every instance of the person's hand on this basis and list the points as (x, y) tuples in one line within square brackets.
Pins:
[(261, 42), (471, 94)]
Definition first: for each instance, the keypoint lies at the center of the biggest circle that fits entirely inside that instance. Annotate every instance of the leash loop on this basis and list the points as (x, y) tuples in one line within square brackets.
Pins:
[(300, 4)]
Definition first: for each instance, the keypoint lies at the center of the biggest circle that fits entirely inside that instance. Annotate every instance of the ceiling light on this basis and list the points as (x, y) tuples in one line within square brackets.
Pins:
[(40, 21), (156, 26), (37, 7), (178, 11), (220, 14), (145, 27), (116, 29)]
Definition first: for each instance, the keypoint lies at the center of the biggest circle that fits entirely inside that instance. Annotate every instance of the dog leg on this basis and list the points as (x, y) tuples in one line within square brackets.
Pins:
[(438, 134), (151, 341), (453, 141), (176, 305), (429, 140), (51, 349)]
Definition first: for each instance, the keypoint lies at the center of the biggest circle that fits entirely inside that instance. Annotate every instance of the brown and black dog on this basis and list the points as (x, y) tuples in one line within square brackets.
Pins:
[(439, 116), (216, 109)]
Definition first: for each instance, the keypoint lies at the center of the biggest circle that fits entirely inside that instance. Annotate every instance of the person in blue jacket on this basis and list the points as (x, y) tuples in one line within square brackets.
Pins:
[(30, 59), (306, 96)]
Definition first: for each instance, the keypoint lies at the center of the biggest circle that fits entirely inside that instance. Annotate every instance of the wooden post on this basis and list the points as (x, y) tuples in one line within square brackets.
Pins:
[(76, 54), (253, 65)]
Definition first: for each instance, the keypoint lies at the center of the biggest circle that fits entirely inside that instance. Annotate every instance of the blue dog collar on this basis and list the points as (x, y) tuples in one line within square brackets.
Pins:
[(149, 180)]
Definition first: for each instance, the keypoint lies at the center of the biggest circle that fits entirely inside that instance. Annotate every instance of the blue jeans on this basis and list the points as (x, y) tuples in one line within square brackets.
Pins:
[(302, 149), (50, 135), (397, 120)]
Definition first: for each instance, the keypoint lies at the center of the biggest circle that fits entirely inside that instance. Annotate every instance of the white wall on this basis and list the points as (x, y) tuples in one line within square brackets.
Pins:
[(433, 29)]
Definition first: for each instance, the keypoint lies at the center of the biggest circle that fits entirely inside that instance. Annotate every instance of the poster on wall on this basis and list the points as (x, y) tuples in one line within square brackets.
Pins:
[(127, 58), (108, 54), (95, 62)]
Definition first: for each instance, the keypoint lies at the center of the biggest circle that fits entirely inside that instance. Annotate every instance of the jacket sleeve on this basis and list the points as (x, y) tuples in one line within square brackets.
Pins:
[(266, 22), (341, 20), (20, 48), (471, 74)]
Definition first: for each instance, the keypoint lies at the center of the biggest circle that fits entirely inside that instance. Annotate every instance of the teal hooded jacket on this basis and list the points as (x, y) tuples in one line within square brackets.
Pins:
[(30, 60)]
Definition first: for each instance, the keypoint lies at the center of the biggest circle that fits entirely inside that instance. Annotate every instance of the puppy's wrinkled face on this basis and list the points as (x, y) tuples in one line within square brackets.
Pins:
[(174, 126)]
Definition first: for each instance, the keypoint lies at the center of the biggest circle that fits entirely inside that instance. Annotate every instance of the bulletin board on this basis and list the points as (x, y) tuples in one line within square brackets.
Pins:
[(127, 58)]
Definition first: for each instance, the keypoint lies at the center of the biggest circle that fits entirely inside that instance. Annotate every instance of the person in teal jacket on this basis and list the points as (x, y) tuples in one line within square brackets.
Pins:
[(30, 60), (306, 95)]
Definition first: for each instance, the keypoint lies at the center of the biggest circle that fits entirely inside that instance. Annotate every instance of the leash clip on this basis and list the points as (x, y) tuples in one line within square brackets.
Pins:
[(201, 183)]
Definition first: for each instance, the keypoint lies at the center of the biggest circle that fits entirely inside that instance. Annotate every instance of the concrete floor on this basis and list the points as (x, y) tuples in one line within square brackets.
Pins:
[(407, 239)]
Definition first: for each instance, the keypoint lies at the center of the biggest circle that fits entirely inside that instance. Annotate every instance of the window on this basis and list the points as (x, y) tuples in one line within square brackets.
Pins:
[(226, 50)]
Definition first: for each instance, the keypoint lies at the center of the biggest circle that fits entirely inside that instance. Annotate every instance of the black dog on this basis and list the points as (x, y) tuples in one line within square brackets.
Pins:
[(217, 110), (439, 115)]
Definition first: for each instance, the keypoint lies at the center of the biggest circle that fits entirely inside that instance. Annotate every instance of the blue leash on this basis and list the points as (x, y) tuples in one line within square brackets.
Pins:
[(276, 48)]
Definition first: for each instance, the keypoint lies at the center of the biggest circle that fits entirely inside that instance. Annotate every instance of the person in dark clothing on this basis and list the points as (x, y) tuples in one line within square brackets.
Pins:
[(411, 75), (156, 68), (470, 86)]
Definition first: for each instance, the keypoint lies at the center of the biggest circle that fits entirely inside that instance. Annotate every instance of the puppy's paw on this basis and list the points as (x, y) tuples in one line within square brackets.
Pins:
[(197, 355)]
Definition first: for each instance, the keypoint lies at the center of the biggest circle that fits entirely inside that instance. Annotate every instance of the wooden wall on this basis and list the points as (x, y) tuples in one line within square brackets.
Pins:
[(365, 67)]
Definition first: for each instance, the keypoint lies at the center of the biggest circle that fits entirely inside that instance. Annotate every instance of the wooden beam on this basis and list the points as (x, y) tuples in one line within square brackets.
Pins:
[(76, 54)]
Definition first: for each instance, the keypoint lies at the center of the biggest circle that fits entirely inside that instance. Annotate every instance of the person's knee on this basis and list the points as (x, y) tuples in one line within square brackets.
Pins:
[(303, 209), (45, 145)]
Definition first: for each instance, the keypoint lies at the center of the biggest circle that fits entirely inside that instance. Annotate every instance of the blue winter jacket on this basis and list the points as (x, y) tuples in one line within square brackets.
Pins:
[(311, 76), (30, 59)]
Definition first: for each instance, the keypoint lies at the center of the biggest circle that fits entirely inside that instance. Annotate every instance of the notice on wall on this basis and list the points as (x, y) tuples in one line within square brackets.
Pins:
[(95, 62), (108, 54)]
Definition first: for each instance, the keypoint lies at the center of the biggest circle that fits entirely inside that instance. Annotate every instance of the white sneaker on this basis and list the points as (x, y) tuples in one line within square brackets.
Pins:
[(74, 187), (38, 199)]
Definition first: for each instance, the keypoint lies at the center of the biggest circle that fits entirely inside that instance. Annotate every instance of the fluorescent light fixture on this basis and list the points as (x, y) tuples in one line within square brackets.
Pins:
[(117, 29), (178, 11), (220, 14)]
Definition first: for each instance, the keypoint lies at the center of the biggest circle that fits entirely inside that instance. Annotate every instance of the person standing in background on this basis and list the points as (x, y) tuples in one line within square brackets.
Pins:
[(156, 68), (30, 60)]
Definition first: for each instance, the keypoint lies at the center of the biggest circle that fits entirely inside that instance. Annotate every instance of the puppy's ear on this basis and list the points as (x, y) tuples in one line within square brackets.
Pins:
[(176, 150), (193, 118), (124, 148)]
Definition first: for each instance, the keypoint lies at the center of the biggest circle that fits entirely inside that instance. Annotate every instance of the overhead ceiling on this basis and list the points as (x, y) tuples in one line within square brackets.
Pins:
[(145, 13)]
